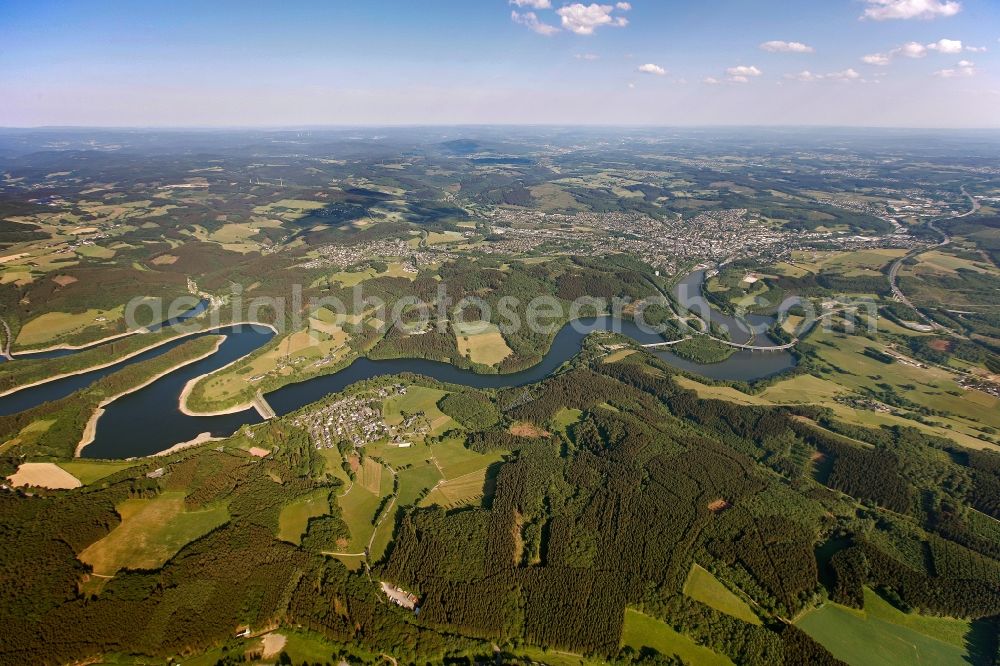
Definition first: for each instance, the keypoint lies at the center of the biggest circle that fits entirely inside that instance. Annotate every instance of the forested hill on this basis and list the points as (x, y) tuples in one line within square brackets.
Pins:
[(624, 482)]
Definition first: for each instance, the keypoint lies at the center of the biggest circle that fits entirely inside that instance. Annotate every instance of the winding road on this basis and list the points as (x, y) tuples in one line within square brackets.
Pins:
[(898, 295), (5, 347)]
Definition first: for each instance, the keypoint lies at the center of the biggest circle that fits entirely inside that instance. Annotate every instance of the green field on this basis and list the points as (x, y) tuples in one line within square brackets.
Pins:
[(641, 631), (49, 327), (455, 460), (416, 400), (359, 507), (415, 480), (564, 418), (481, 342), (294, 517), (702, 586), (881, 634), (89, 471), (151, 532), (459, 491)]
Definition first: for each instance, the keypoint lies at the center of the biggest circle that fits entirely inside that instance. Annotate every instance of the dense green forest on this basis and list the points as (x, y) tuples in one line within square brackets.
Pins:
[(606, 513)]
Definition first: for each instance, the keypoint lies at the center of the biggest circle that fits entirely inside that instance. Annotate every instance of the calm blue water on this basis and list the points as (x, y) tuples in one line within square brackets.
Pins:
[(149, 420), (742, 365), (58, 353)]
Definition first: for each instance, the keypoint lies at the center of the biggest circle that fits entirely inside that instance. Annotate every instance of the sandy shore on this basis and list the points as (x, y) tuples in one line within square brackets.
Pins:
[(189, 386), (200, 439), (27, 354), (92, 368), (90, 431)]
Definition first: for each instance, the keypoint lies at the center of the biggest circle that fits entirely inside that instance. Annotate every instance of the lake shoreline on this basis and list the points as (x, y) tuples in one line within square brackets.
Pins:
[(128, 356), (90, 430)]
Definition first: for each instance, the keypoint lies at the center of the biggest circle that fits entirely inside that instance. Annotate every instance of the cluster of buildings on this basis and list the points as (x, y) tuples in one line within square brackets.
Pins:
[(971, 382), (357, 419), (667, 245), (349, 255)]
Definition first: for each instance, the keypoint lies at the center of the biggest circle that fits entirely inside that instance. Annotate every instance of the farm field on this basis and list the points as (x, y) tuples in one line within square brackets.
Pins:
[(455, 460), (702, 586), (90, 471), (807, 389), (297, 352), (418, 399), (51, 326), (881, 634), (481, 343), (294, 517), (151, 531), (359, 507), (849, 264), (43, 475), (395, 269), (641, 630), (458, 491), (413, 481)]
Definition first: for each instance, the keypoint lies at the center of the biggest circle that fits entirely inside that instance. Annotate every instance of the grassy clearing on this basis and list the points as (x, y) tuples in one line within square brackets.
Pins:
[(360, 507), (455, 460), (414, 481), (942, 262), (43, 475), (641, 631), (618, 355), (90, 471), (418, 399), (881, 634), (481, 343), (460, 491), (930, 387), (369, 476), (702, 586), (302, 352), (49, 327), (397, 269), (851, 264), (807, 389), (150, 533), (564, 418), (294, 516), (334, 466)]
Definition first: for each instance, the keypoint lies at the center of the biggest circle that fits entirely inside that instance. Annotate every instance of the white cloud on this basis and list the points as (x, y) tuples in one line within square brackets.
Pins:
[(881, 10), (531, 21), (742, 73), (946, 46), (624, 6), (534, 4), (804, 75), (880, 59), (587, 56), (584, 19), (911, 50), (738, 74), (918, 50), (650, 68), (778, 46), (845, 76), (962, 70)]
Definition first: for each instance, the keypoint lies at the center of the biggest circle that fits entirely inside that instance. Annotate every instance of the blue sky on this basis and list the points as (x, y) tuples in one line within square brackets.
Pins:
[(916, 63)]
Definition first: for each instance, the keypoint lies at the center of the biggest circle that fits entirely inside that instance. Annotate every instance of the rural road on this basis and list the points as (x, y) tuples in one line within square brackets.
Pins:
[(5, 347), (945, 240)]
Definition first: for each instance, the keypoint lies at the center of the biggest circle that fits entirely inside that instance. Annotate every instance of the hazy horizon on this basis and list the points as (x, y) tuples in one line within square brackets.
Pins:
[(845, 63)]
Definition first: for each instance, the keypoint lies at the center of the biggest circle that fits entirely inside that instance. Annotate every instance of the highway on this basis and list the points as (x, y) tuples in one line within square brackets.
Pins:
[(898, 295)]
